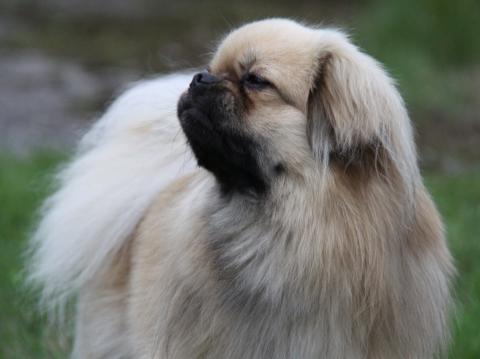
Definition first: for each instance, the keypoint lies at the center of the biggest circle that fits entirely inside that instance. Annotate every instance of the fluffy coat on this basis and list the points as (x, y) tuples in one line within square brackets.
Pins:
[(343, 256)]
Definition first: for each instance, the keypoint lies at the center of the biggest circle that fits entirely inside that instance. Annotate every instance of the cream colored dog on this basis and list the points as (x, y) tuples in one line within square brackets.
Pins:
[(305, 231)]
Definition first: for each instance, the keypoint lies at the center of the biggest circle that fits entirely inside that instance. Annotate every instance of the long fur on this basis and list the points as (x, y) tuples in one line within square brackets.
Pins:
[(343, 257), (129, 155)]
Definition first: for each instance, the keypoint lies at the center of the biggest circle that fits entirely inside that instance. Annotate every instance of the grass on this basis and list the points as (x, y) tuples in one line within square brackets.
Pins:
[(23, 184), (458, 198), (427, 45)]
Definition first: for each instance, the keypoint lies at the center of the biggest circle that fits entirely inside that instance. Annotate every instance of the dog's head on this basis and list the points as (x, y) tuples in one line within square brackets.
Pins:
[(281, 100)]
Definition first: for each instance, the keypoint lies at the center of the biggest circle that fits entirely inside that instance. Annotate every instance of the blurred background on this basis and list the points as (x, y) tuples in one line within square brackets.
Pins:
[(63, 61)]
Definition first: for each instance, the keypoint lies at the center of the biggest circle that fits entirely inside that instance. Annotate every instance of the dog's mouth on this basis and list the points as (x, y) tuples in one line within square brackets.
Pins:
[(218, 141), (197, 121), (214, 102)]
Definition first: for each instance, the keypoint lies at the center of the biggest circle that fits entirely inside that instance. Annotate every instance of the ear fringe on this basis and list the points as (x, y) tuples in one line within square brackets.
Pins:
[(354, 105)]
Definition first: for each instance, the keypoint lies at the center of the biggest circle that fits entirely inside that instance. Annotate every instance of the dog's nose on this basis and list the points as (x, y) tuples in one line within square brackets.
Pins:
[(204, 78)]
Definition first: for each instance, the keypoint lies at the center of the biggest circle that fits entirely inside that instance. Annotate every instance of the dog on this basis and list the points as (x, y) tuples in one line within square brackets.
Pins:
[(269, 207)]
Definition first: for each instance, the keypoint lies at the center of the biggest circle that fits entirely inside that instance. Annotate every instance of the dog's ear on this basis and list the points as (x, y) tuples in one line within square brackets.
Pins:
[(348, 105)]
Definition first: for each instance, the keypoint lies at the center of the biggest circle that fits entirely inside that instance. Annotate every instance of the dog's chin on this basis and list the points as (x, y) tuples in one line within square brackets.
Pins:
[(228, 153)]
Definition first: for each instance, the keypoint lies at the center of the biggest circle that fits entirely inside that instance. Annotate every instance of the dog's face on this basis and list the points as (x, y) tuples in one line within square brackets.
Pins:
[(280, 99)]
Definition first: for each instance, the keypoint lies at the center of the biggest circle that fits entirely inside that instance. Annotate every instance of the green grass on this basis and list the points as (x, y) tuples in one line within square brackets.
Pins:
[(426, 45), (23, 184), (458, 198)]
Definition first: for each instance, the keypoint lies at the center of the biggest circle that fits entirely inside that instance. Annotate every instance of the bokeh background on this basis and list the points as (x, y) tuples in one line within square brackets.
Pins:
[(63, 61)]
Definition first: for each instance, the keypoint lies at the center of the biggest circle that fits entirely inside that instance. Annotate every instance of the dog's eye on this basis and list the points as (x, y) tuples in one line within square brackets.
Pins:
[(255, 82)]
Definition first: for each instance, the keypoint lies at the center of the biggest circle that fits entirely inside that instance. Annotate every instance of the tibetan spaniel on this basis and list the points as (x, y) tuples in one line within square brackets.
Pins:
[(270, 206)]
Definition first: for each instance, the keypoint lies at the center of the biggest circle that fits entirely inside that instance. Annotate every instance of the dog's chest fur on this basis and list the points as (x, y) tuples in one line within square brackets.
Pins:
[(244, 279)]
